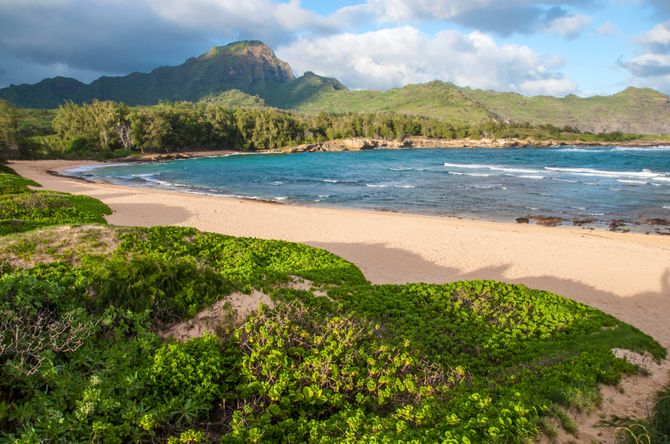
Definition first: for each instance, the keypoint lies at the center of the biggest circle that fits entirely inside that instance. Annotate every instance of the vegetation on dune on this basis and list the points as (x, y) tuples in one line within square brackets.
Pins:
[(654, 428), (23, 209), (467, 362)]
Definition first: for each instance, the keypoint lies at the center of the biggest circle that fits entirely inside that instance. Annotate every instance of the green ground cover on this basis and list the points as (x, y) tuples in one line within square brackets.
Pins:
[(82, 305), (23, 209)]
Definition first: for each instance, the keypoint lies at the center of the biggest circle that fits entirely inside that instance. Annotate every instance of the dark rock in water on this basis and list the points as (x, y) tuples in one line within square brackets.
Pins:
[(664, 222), (616, 224), (581, 222), (522, 220), (548, 221)]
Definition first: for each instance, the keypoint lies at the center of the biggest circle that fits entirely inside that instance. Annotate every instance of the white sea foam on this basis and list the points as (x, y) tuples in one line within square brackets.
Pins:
[(281, 198), (581, 150), (475, 166), (375, 186), (324, 195), (87, 168), (565, 180), (590, 172), (516, 170), (639, 182), (403, 186), (493, 168), (276, 183), (651, 148), (532, 177)]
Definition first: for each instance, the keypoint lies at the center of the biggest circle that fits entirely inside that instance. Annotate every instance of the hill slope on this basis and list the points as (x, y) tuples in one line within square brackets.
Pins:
[(634, 110)]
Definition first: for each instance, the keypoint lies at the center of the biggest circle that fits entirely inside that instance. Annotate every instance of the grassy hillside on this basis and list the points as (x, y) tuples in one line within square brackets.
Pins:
[(633, 110), (434, 99), (641, 111)]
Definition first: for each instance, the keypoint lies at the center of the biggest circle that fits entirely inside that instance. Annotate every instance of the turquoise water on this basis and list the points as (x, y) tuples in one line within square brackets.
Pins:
[(494, 184)]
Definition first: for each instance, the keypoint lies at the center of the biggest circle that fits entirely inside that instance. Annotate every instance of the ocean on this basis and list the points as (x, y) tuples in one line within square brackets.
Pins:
[(591, 185)]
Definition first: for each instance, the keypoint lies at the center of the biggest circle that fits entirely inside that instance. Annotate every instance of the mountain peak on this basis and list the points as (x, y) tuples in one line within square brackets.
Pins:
[(255, 48)]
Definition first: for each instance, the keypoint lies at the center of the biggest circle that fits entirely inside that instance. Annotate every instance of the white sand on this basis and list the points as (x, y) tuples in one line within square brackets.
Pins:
[(626, 275)]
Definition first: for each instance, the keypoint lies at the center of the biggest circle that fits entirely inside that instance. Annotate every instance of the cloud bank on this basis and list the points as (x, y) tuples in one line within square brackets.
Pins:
[(399, 56), (652, 66)]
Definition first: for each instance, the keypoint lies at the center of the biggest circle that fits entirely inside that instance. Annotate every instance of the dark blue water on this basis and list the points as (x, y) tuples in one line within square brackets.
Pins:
[(494, 184)]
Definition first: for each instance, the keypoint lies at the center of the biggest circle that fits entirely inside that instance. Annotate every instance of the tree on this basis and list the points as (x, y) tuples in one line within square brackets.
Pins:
[(9, 125)]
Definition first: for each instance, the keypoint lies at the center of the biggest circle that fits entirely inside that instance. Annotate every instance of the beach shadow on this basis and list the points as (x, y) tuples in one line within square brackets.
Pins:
[(386, 265), (145, 215), (103, 196)]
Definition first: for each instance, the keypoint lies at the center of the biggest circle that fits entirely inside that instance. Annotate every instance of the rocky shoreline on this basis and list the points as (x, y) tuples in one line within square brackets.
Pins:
[(358, 144)]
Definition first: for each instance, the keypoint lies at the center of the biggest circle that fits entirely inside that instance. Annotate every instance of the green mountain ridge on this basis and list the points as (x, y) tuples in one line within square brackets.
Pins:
[(248, 73), (633, 110), (248, 66)]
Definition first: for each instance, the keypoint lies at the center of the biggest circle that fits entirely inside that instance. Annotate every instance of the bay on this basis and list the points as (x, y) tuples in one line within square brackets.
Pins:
[(498, 184)]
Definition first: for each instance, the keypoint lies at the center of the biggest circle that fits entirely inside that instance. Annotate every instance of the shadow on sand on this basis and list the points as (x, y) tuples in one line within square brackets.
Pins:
[(385, 265)]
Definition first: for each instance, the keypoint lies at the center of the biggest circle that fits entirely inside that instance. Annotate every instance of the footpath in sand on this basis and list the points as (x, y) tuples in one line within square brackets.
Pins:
[(623, 274)]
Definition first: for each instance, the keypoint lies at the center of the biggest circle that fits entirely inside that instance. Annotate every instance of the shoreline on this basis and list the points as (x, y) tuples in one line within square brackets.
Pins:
[(626, 275), (638, 224)]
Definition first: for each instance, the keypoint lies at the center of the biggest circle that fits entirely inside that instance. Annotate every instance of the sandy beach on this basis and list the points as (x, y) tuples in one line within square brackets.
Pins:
[(623, 274)]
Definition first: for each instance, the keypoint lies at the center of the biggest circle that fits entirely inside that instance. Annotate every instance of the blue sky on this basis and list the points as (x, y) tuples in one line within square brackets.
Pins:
[(552, 47)]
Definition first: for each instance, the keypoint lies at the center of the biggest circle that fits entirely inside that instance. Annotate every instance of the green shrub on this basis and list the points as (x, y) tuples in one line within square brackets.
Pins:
[(194, 367), (27, 210), (169, 289)]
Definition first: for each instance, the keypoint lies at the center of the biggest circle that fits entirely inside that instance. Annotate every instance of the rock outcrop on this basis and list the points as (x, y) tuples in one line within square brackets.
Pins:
[(424, 142)]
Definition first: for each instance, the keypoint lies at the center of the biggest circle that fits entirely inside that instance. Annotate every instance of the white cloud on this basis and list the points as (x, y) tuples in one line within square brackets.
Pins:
[(658, 36), (410, 10), (608, 29), (568, 26), (399, 56), (502, 17), (652, 66)]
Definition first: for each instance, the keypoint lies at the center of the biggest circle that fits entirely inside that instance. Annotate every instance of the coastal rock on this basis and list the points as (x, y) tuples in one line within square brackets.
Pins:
[(548, 221), (154, 157), (356, 144), (522, 220)]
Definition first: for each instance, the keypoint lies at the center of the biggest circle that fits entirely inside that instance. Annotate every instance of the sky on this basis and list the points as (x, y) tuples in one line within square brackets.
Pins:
[(532, 47)]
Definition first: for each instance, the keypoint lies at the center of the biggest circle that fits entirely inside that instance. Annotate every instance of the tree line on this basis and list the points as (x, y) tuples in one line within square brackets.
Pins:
[(109, 129)]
